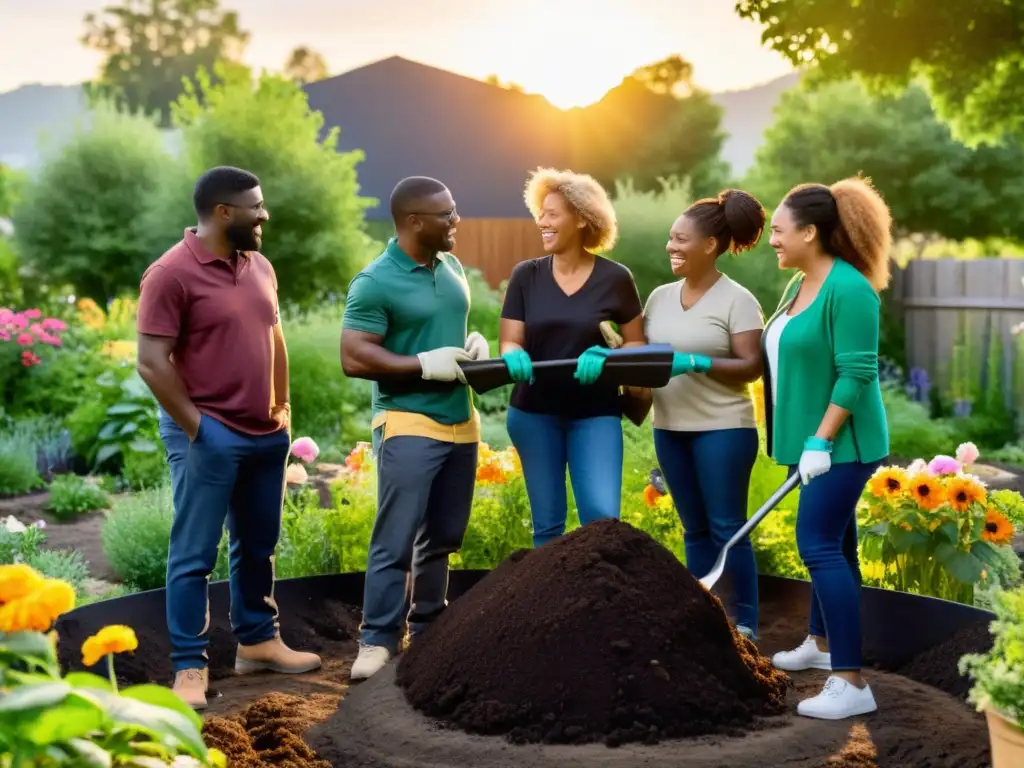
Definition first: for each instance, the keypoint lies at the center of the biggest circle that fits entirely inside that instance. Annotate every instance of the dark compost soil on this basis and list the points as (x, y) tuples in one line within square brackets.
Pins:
[(602, 635), (293, 721)]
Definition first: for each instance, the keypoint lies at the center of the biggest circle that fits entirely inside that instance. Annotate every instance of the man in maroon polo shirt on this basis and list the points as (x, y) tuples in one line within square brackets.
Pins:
[(212, 351)]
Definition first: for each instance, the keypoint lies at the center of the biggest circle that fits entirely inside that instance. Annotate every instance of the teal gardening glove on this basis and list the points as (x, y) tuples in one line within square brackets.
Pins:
[(519, 365), (590, 364), (684, 362)]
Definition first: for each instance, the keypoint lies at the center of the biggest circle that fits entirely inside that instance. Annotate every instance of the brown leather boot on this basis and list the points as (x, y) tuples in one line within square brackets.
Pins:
[(191, 685), (274, 656)]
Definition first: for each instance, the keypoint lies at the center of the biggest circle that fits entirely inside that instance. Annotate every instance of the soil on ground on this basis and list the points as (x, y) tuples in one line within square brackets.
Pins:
[(257, 718), (602, 635)]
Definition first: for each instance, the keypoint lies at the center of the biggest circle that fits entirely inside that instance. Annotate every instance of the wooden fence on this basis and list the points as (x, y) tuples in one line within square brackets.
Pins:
[(954, 312), (495, 246)]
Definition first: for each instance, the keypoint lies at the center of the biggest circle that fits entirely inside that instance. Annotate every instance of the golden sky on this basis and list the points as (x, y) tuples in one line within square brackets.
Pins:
[(571, 51)]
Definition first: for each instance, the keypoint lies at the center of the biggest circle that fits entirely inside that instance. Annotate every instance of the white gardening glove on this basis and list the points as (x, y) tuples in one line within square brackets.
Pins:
[(442, 364), (815, 460), (477, 346)]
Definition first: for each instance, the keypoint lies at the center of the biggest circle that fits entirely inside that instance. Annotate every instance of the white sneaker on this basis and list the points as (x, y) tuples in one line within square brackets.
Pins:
[(370, 661), (804, 656), (838, 699)]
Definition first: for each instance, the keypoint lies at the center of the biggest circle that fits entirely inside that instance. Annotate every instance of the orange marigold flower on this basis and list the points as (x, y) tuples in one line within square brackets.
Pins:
[(961, 492), (115, 638), (651, 495), (998, 529), (927, 491), (17, 581), (887, 482)]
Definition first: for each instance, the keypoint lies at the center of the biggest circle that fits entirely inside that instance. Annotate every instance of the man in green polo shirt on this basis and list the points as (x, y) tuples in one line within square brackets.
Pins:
[(405, 330)]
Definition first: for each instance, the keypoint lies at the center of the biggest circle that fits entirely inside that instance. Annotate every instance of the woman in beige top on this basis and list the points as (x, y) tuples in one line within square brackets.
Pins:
[(705, 435)]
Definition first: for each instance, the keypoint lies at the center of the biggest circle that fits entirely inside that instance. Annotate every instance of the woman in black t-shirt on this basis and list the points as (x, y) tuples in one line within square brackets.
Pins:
[(553, 308)]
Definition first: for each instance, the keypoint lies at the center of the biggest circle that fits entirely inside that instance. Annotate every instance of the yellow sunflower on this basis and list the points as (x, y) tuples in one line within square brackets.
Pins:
[(961, 492), (998, 529), (926, 490), (887, 482)]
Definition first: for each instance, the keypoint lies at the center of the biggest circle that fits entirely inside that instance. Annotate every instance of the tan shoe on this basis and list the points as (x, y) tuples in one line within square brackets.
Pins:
[(274, 656), (191, 685)]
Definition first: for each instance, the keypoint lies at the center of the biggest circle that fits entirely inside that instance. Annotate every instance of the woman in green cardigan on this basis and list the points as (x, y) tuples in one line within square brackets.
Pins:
[(825, 418)]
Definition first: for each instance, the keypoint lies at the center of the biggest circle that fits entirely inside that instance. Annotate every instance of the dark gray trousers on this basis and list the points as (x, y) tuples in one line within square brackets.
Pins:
[(424, 495)]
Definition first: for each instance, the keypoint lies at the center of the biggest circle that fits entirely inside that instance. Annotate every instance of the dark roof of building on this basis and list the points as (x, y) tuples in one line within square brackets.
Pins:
[(412, 119)]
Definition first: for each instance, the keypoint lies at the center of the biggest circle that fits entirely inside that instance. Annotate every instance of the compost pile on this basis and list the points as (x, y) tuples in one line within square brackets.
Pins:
[(602, 635), (269, 732)]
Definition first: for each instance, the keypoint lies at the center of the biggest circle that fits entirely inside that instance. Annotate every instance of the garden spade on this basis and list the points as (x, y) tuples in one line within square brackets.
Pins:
[(716, 573)]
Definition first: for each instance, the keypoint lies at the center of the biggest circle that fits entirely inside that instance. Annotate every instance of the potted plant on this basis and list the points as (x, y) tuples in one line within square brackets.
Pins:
[(998, 676)]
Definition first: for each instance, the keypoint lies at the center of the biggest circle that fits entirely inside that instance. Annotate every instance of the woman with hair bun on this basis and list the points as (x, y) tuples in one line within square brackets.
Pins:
[(824, 413), (553, 309), (705, 434)]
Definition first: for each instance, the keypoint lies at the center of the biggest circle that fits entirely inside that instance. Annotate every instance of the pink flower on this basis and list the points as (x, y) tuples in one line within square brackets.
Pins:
[(967, 453), (33, 314), (4, 335), (29, 359), (18, 322), (943, 465), (305, 449), (25, 339), (53, 341), (295, 474), (36, 328), (53, 324)]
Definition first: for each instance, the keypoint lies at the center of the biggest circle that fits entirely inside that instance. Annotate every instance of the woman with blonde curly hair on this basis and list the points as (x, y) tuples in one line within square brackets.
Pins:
[(553, 308), (825, 417)]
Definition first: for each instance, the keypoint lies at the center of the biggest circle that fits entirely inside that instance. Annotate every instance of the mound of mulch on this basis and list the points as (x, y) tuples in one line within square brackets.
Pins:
[(938, 666), (269, 732), (602, 635)]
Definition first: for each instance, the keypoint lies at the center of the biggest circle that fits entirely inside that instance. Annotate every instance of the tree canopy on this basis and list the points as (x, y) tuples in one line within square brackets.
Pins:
[(76, 220), (970, 54), (654, 125), (149, 46), (934, 184), (305, 65)]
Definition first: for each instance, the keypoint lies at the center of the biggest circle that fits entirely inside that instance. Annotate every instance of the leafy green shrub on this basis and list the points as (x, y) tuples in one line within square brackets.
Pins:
[(19, 472), (318, 389), (136, 535), (999, 674), (305, 547), (64, 564), (71, 496), (87, 419), (912, 432), (74, 223), (19, 546), (145, 470)]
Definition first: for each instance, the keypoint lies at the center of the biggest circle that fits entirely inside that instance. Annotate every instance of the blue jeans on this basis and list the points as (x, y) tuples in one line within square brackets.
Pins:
[(708, 475), (222, 475), (592, 450), (424, 496), (826, 538)]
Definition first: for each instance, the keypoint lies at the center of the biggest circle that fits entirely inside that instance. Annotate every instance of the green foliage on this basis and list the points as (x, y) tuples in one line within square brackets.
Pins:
[(11, 293), (317, 388), (932, 183), (314, 237), (1010, 504), (149, 46), (83, 719), (969, 54), (71, 496), (19, 471), (644, 222), (64, 564), (655, 124), (20, 546), (76, 222), (136, 535), (10, 187), (912, 431), (999, 674)]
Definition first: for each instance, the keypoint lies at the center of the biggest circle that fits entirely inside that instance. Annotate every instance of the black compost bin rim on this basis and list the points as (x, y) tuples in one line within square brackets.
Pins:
[(897, 626)]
